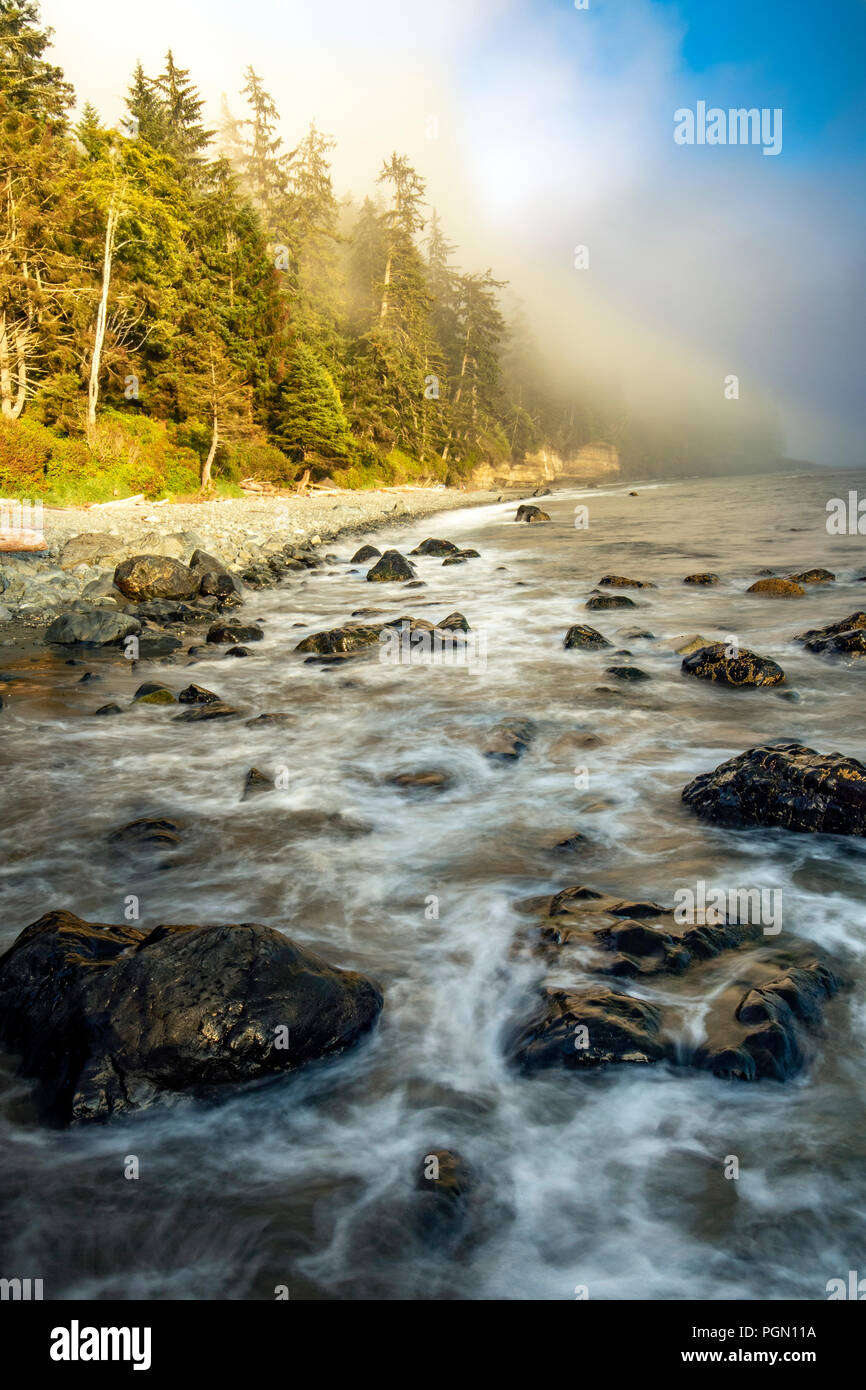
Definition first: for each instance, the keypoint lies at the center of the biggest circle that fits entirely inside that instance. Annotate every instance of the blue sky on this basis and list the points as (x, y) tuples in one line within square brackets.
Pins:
[(555, 128)]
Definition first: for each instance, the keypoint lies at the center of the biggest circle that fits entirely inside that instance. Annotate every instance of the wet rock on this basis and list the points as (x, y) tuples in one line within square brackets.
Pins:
[(256, 783), (148, 833), (708, 580), (225, 588), (425, 780), (153, 694), (353, 637), (776, 588), (787, 785), (597, 601), (616, 581), (197, 695), (846, 638), (572, 842), (814, 576), (685, 646), (96, 627), (461, 556), (108, 710), (155, 576), (585, 638), (391, 566), (509, 740), (267, 720), (455, 622), (432, 546), (223, 633), (712, 664), (239, 651), (161, 644), (166, 612), (110, 1019), (445, 1175), (636, 634), (767, 1032), (530, 514), (367, 552), (198, 714), (636, 938), (628, 673), (587, 1027)]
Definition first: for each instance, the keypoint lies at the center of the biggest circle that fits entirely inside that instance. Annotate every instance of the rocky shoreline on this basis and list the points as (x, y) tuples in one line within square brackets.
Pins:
[(240, 531), (110, 1018)]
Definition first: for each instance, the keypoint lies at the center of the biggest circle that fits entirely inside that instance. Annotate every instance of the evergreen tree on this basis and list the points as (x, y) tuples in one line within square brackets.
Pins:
[(28, 82), (184, 136), (146, 119), (312, 421)]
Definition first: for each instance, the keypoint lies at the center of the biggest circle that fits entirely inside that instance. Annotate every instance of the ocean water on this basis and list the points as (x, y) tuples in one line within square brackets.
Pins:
[(611, 1181)]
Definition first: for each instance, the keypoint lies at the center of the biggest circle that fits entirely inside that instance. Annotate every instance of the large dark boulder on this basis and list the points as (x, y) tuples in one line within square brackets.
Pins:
[(433, 546), (585, 638), (530, 514), (713, 664), (787, 785), (354, 637), (110, 1018), (617, 581), (100, 627), (155, 576), (391, 566), (367, 552), (846, 638), (767, 1031), (224, 633), (598, 600), (587, 1027), (777, 588)]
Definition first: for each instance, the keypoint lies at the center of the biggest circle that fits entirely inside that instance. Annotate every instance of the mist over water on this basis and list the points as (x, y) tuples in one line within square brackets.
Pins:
[(610, 1179)]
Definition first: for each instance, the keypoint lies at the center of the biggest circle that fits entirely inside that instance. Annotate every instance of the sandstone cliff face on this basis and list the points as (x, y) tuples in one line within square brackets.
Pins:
[(589, 464)]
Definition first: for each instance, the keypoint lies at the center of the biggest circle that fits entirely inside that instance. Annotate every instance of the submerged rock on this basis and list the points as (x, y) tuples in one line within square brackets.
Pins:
[(766, 1032), (628, 673), (444, 1174), (201, 713), (708, 580), (148, 833), (787, 785), (110, 1019), (510, 740), (713, 664), (431, 779)]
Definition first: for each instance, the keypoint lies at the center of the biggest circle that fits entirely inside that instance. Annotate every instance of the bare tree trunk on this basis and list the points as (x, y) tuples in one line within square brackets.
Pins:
[(208, 463), (13, 369), (384, 309), (101, 314)]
